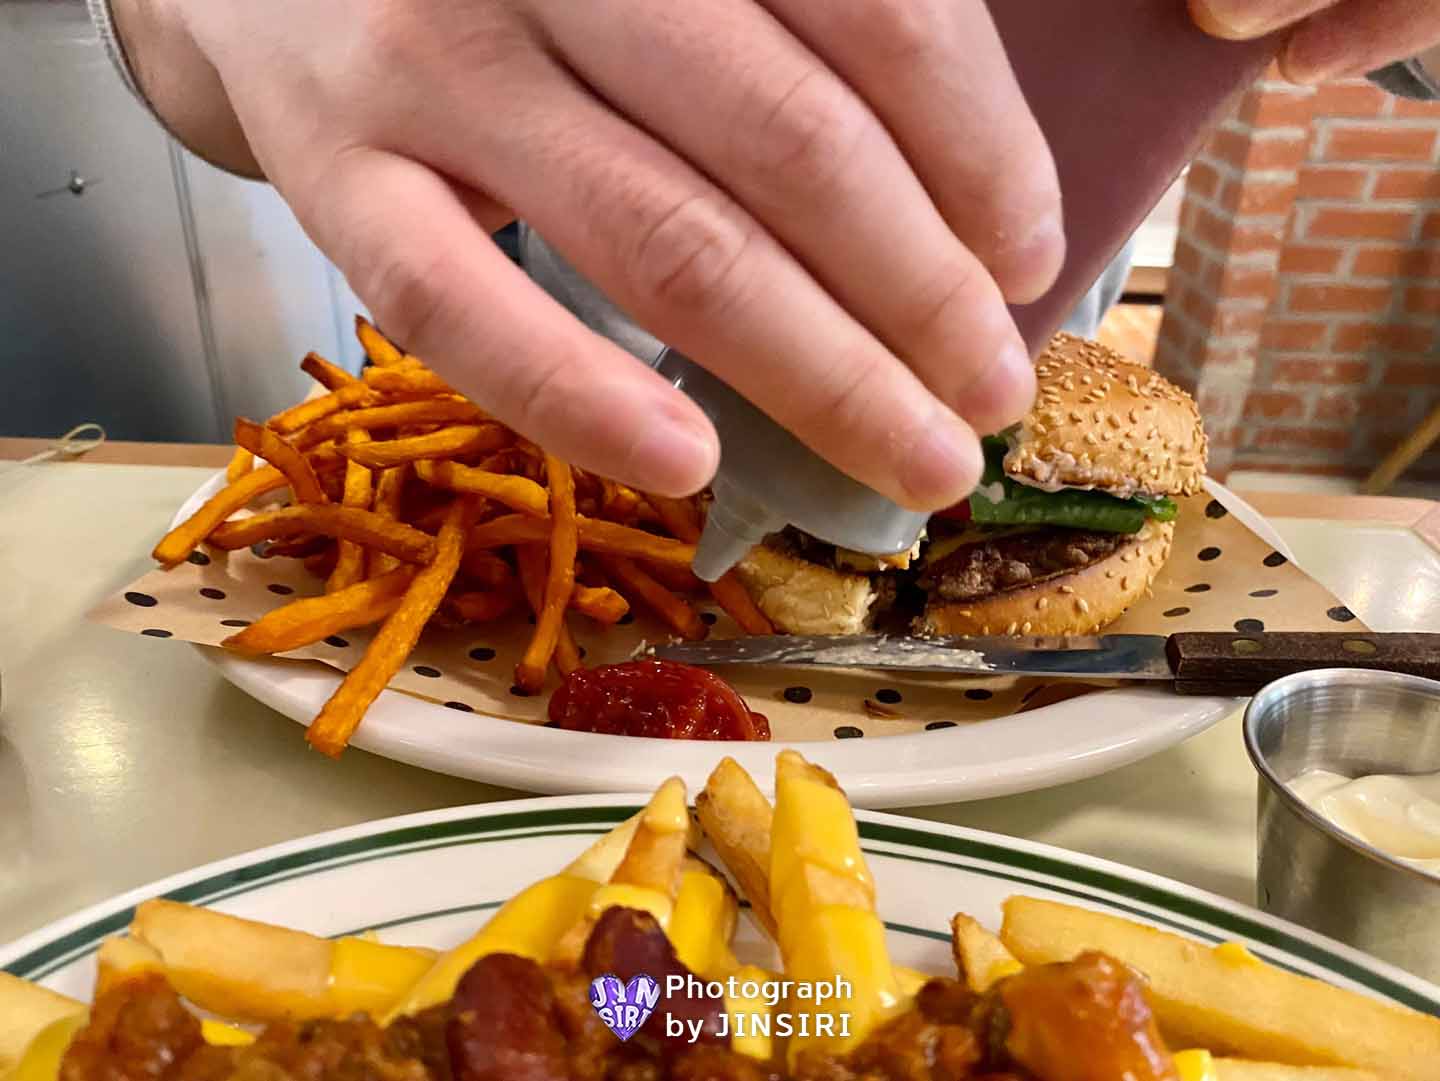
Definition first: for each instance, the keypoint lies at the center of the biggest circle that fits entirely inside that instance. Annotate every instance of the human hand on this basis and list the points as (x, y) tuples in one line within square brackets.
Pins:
[(826, 205), (1328, 39)]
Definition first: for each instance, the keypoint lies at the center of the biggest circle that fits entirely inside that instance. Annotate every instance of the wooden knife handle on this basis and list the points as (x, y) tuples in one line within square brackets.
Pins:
[(1240, 664)]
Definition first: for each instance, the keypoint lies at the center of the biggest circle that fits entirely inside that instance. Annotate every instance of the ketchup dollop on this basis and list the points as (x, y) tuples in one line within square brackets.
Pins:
[(659, 699)]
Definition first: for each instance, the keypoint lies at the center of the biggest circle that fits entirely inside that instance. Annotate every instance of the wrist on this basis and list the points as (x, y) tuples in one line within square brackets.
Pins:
[(180, 84)]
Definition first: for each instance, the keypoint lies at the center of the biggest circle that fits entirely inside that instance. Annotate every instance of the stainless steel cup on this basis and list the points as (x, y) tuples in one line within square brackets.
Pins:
[(1355, 723)]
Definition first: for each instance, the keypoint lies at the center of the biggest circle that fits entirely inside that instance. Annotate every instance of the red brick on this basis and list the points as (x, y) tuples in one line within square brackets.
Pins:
[(1203, 179), (1239, 282), (1430, 228), (1349, 98), (1318, 469), (1396, 261), (1413, 373), (1246, 239), (1187, 258), (1406, 337), (1423, 300), (1379, 142), (1339, 298), (1386, 403), (1407, 184), (1305, 371), (1263, 199), (1281, 152), (1297, 336), (1198, 305), (1274, 405), (1330, 182), (1281, 110), (1298, 259), (1370, 224), (1291, 438), (1228, 146), (1336, 408), (1425, 110), (1231, 321)]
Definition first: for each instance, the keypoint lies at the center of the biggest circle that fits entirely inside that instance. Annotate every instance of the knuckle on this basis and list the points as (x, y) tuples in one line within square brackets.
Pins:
[(400, 288), (928, 319), (898, 30), (804, 140), (846, 404), (687, 258)]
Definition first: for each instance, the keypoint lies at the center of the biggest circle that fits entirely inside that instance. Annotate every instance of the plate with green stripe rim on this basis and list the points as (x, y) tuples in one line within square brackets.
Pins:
[(432, 878)]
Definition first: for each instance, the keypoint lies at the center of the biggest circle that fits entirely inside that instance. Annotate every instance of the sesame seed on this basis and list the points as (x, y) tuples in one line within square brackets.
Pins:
[(1082, 604), (1025, 627), (1067, 589), (1012, 628), (1090, 439), (1076, 416), (1125, 582), (1110, 573), (1042, 604)]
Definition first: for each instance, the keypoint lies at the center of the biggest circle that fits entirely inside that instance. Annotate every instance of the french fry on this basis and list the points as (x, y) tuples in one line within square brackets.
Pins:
[(673, 611), (981, 957), (400, 414), (680, 580), (377, 347), (531, 559), (308, 412), (595, 536), (389, 492), (330, 520), (328, 375), (311, 619), (175, 547), (456, 440), (1224, 999), (400, 382), (481, 606), (737, 818), (29, 1010), (341, 715), (280, 453), (600, 603), (487, 569), (359, 489), (241, 462), (559, 577), (257, 972), (518, 493)]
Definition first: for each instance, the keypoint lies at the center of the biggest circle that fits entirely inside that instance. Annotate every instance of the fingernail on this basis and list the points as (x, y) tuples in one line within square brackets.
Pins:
[(1231, 20), (1034, 263), (673, 457), (944, 465), (1003, 394)]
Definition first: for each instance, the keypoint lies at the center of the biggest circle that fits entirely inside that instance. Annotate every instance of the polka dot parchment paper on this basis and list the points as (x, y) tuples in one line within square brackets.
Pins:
[(1220, 577)]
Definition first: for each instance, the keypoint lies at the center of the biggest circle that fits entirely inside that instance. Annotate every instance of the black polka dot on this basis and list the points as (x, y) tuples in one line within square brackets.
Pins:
[(260, 549), (581, 651), (548, 724), (234, 623), (280, 589), (1214, 510), (1198, 587), (212, 594), (336, 641), (141, 600), (798, 695), (1263, 592), (426, 671), (888, 695), (979, 694), (519, 692), (530, 619), (1340, 614), (482, 653), (628, 617), (1250, 626), (1205, 555), (1181, 611), (200, 559), (708, 618), (848, 731), (461, 706), (156, 632), (1275, 559), (935, 726)]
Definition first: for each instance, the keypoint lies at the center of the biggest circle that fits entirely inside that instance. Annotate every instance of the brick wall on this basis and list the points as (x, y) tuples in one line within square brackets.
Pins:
[(1304, 301)]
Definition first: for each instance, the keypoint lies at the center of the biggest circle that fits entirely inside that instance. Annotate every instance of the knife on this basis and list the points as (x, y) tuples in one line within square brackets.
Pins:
[(1195, 663)]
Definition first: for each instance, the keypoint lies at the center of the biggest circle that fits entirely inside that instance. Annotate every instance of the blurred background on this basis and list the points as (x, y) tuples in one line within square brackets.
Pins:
[(1291, 278)]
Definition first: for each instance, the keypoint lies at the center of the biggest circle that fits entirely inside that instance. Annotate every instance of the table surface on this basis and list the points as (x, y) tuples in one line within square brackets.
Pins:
[(124, 759)]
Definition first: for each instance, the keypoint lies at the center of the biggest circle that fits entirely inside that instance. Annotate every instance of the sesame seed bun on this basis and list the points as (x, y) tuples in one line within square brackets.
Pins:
[(1101, 421), (1080, 602), (801, 597)]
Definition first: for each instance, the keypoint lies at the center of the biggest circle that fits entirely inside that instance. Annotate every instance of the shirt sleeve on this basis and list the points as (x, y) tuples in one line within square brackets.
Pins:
[(1408, 79)]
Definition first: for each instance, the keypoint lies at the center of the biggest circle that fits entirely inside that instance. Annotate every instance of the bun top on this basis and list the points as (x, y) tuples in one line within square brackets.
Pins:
[(1101, 421)]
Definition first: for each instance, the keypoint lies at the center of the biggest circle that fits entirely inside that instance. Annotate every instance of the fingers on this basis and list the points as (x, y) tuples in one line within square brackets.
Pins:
[(699, 272), (935, 72), (1243, 20), (413, 250), (794, 145), (1359, 36)]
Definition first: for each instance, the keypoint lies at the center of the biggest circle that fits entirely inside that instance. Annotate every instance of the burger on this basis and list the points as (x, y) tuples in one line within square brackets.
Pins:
[(1071, 522)]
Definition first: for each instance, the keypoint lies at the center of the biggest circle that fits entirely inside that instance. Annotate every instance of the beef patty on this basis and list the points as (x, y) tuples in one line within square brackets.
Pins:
[(1016, 560)]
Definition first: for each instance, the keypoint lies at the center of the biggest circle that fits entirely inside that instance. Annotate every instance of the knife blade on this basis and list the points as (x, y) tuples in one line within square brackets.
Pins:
[(1195, 662)]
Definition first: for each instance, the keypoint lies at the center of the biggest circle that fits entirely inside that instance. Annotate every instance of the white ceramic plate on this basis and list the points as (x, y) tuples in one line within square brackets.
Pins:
[(430, 879), (1052, 745)]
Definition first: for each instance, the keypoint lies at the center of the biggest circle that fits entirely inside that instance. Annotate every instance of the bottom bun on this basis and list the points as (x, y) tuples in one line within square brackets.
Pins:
[(801, 597), (1078, 603)]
